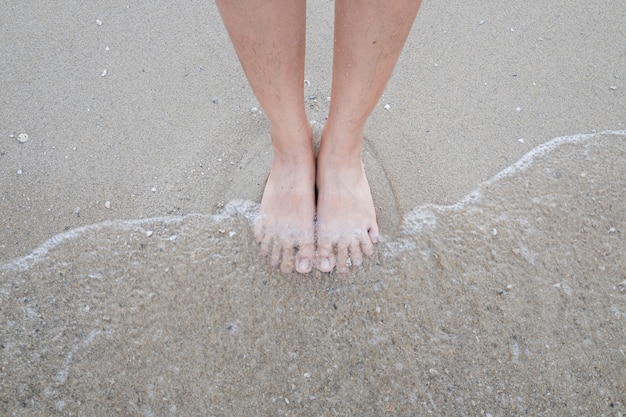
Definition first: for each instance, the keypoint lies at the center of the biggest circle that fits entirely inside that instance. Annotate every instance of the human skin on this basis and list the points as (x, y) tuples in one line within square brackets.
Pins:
[(269, 38)]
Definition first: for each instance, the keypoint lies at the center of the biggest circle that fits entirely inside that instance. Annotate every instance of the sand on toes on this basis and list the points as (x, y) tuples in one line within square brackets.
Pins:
[(346, 225), (284, 227)]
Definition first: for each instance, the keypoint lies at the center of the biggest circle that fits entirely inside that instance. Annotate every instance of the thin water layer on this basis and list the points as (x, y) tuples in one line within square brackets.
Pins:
[(512, 301)]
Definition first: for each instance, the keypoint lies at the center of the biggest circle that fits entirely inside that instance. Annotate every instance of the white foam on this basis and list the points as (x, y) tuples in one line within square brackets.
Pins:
[(246, 209), (415, 222), (423, 216)]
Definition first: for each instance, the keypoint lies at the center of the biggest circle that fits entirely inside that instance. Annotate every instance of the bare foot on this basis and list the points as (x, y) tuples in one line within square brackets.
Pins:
[(346, 218), (285, 227)]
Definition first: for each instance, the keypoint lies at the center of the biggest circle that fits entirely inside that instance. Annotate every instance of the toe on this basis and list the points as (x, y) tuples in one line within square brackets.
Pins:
[(342, 257), (275, 254), (355, 252), (304, 258), (265, 245), (258, 230), (326, 263), (287, 263), (304, 265), (374, 234), (367, 245), (325, 258)]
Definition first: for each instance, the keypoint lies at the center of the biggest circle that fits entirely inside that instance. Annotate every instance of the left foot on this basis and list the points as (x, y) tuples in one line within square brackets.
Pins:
[(346, 218)]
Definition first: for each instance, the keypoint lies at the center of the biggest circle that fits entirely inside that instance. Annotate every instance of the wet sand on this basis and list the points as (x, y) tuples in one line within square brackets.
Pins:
[(499, 287)]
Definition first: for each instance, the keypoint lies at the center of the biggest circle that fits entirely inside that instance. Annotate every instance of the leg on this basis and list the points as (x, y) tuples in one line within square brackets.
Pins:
[(369, 36), (269, 38)]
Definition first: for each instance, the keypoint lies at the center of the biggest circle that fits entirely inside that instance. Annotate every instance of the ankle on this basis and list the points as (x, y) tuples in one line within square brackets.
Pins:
[(341, 143), (293, 143)]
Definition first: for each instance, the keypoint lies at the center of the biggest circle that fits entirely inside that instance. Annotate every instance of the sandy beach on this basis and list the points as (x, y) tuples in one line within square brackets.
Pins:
[(133, 156)]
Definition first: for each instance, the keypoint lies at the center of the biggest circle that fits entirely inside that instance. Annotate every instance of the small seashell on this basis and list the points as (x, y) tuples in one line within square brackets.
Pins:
[(22, 137)]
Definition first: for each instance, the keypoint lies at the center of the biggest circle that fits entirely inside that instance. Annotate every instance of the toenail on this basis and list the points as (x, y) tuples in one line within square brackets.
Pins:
[(304, 265), (325, 263)]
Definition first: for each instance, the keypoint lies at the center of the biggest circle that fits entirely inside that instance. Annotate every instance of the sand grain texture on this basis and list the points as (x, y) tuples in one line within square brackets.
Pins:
[(499, 287)]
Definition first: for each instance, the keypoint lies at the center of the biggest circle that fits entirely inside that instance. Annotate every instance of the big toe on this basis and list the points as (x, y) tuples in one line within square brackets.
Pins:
[(304, 258), (325, 259)]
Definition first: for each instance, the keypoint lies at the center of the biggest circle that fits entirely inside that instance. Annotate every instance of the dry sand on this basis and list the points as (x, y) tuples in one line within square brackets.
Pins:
[(129, 281)]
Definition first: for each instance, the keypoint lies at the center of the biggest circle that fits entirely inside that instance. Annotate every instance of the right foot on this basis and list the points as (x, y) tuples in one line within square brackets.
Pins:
[(285, 227)]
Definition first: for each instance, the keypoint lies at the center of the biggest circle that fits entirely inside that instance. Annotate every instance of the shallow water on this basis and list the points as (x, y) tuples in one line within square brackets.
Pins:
[(511, 301)]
